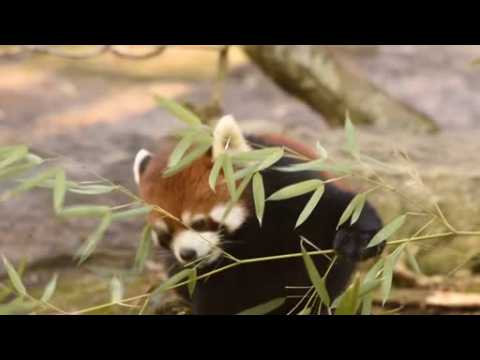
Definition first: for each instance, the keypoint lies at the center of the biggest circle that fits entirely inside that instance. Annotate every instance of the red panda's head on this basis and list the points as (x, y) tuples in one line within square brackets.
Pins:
[(188, 197)]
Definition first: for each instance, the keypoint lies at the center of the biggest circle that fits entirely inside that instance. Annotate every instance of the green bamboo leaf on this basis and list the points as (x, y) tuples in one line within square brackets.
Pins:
[(412, 261), (256, 155), (36, 181), (179, 111), (193, 155), (84, 211), (180, 150), (14, 277), (390, 263), (172, 281), (295, 190), (369, 286), (317, 281), (50, 289), (388, 231), (229, 176), (311, 204), (367, 304), (92, 189), (271, 159), (350, 301), (318, 165), (360, 204), (92, 241), (116, 290), (306, 311), (59, 191), (15, 170), (192, 281), (217, 166), (34, 159), (127, 214), (144, 248), (258, 196), (374, 271), (15, 154), (321, 151), (352, 145), (242, 173), (304, 166), (349, 209), (264, 308)]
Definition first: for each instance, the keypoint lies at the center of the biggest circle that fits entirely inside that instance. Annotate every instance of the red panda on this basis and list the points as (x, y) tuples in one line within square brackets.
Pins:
[(203, 233)]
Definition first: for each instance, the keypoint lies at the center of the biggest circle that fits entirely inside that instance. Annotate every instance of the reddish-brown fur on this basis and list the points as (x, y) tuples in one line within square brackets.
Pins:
[(189, 190)]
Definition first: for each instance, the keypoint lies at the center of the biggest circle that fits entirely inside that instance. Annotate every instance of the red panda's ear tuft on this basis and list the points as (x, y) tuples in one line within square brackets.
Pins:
[(140, 164), (228, 137)]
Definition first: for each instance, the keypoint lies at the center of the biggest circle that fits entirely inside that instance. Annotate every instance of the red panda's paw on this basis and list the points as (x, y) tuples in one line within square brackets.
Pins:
[(351, 243)]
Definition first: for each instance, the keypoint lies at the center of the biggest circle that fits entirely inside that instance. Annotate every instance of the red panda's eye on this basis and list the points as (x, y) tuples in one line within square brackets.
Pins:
[(164, 238), (205, 225)]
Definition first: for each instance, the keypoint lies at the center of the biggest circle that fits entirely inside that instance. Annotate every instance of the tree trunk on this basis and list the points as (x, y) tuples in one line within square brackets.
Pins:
[(314, 75)]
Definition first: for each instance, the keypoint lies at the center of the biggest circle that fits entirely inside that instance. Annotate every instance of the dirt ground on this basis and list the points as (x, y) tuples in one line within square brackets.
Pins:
[(98, 113)]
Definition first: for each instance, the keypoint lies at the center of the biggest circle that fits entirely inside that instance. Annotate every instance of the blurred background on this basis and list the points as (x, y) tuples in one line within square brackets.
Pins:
[(416, 108)]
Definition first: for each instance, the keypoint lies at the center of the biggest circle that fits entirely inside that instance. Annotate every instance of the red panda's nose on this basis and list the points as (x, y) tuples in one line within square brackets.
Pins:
[(188, 255)]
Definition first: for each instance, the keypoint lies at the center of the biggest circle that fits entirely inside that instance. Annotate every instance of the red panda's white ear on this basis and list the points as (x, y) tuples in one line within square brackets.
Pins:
[(228, 137), (140, 163)]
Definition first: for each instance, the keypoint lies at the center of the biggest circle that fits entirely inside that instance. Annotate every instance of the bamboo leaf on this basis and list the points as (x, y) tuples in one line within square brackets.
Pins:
[(321, 151), (256, 155), (180, 150), (350, 301), (50, 289), (14, 170), (179, 111), (215, 172), (360, 204), (349, 210), (93, 189), (352, 145), (295, 190), (26, 185), (144, 248), (15, 154), (84, 211), (172, 281), (311, 204), (388, 231), (390, 263), (193, 155), (127, 214), (412, 261), (116, 290), (229, 176), (306, 311), (14, 277), (258, 196), (367, 304), (271, 159), (59, 191), (317, 281), (192, 278), (92, 241), (264, 308)]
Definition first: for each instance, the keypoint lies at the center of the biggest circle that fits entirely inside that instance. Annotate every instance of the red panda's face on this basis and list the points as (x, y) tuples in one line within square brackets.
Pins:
[(195, 229)]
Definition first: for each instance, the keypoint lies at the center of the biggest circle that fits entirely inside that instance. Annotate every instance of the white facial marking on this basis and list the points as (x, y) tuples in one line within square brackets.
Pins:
[(141, 155), (155, 240), (160, 225), (234, 219), (228, 131), (187, 217), (204, 243)]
